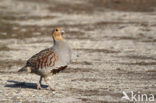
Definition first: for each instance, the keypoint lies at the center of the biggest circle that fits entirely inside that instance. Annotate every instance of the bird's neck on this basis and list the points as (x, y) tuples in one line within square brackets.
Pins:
[(59, 42), (58, 38)]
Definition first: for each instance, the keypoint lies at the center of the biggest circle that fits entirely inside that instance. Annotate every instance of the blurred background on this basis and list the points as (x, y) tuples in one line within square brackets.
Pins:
[(113, 44)]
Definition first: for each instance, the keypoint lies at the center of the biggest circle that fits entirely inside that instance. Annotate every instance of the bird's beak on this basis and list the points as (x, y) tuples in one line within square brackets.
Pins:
[(62, 32)]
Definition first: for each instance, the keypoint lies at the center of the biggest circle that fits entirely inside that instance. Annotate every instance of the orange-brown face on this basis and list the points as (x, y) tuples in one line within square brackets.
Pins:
[(57, 34)]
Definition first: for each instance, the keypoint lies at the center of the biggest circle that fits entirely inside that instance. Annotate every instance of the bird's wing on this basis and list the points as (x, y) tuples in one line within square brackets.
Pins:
[(43, 59)]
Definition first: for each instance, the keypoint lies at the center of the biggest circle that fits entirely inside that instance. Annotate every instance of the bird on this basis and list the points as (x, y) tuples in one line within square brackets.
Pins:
[(51, 60)]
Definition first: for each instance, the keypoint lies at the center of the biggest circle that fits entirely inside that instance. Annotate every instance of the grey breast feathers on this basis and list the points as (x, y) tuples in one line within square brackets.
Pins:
[(64, 52)]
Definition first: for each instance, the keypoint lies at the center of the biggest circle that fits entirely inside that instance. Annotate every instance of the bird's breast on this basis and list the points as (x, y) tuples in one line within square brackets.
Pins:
[(63, 51)]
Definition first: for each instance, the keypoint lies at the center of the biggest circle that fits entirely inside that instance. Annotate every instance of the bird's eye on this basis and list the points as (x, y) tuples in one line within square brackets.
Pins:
[(56, 29)]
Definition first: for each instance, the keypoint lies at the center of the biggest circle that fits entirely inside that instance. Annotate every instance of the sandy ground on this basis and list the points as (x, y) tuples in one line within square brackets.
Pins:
[(113, 49)]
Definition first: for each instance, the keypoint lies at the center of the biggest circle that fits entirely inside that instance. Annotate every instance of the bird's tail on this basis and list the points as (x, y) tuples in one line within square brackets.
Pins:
[(25, 69)]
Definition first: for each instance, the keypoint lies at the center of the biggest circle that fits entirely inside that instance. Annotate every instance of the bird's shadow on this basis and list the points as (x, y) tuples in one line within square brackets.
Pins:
[(17, 84)]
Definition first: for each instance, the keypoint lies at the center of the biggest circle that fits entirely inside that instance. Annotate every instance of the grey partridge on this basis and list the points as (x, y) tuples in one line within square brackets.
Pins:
[(51, 60)]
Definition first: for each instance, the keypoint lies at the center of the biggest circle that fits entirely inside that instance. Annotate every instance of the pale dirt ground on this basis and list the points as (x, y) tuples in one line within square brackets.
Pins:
[(113, 49)]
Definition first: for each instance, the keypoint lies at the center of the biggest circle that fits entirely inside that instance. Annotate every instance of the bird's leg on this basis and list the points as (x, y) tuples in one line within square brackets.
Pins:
[(46, 79), (49, 86), (39, 83)]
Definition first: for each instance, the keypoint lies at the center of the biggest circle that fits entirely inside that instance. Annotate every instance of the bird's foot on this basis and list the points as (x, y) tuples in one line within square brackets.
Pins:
[(52, 89), (39, 87)]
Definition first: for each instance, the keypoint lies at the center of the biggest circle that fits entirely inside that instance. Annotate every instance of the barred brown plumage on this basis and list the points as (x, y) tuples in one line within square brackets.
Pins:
[(51, 60), (44, 61)]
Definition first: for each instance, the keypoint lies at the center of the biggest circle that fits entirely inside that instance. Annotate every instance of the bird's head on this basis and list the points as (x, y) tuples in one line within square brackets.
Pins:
[(57, 34)]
